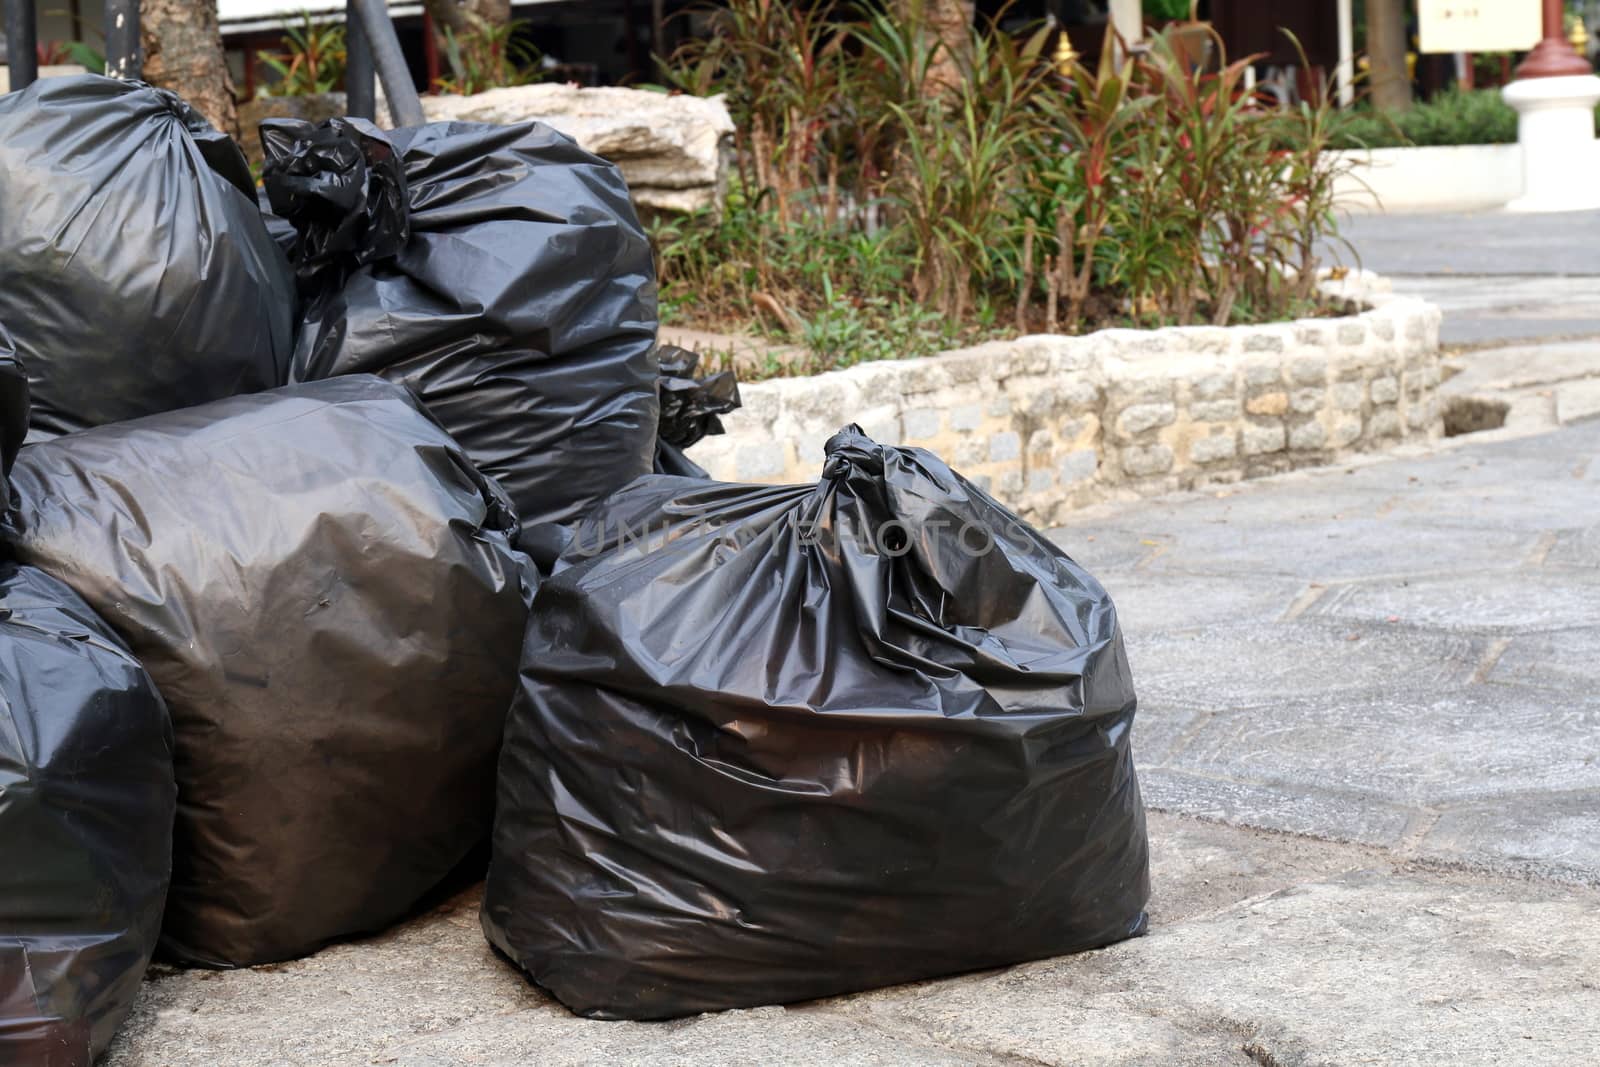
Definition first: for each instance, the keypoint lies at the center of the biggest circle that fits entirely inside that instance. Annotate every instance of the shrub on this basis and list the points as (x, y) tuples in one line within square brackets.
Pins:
[(1453, 117), (880, 209), (312, 60)]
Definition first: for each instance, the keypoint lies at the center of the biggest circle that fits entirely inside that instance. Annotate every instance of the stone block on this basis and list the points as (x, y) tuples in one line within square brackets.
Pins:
[(1144, 460), (1384, 423), (1212, 340), (966, 416), (1384, 390), (1004, 446), (1215, 410), (1306, 401), (1352, 333), (1346, 431), (1263, 373), (1382, 327), (920, 424), (1078, 394), (971, 452), (1262, 341), (1010, 484), (1268, 404), (1308, 436), (1308, 370), (1347, 396), (1311, 334), (753, 463), (1078, 466), (1213, 448), (1259, 440), (1041, 480), (1137, 418), (1212, 386), (1041, 442)]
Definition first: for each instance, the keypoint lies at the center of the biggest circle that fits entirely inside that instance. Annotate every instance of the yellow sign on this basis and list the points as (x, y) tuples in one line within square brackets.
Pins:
[(1479, 25)]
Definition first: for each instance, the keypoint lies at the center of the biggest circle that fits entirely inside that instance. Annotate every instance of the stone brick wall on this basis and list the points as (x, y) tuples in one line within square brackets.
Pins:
[(1049, 423)]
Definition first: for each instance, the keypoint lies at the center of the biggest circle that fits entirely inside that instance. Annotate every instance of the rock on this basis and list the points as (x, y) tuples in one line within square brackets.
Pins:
[(673, 150)]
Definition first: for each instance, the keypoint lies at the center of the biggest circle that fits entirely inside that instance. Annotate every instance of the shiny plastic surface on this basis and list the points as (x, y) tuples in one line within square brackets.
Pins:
[(689, 409), (136, 274), (779, 742), (520, 307), (86, 803), (320, 585)]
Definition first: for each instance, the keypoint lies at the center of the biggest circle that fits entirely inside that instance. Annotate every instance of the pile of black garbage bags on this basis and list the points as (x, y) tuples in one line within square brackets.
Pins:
[(350, 537)]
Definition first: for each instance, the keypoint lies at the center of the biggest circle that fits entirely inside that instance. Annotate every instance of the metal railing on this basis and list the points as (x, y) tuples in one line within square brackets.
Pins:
[(373, 50)]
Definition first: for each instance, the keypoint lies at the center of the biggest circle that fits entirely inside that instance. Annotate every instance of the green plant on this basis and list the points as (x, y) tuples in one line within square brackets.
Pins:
[(312, 60), (86, 56), (488, 56), (1171, 10), (958, 151), (1453, 117), (891, 200)]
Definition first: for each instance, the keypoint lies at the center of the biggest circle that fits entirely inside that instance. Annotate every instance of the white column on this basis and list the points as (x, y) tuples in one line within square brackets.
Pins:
[(1127, 20), (1555, 126), (1346, 75)]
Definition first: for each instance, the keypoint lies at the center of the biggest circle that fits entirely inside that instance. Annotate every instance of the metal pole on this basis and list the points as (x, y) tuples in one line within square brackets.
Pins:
[(22, 50), (122, 39), (361, 97), (405, 107), (1553, 57)]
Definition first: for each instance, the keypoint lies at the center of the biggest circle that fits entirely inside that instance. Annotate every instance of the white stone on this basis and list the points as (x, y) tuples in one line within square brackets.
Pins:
[(1306, 401), (754, 462), (1308, 436), (1150, 459), (920, 424), (1215, 410), (1555, 127), (966, 416), (1004, 446), (673, 150), (1346, 431), (1211, 449), (1385, 423), (1259, 440), (1347, 396), (1385, 390), (1137, 418), (1079, 466)]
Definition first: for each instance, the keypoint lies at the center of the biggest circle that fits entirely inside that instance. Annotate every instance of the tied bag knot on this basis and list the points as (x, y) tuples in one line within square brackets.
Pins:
[(342, 186)]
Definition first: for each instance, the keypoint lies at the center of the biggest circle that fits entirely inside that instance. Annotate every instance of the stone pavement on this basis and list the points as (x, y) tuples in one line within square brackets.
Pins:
[(1370, 735), (1499, 277)]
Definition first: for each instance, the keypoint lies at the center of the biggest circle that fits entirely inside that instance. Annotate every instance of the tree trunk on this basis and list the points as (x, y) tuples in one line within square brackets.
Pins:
[(183, 52), (950, 22), (457, 15), (1386, 47)]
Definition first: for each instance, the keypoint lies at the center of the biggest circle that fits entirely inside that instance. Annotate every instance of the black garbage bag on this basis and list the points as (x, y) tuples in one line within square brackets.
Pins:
[(689, 409), (779, 742), (321, 586), (13, 409), (136, 274), (86, 804), (499, 272)]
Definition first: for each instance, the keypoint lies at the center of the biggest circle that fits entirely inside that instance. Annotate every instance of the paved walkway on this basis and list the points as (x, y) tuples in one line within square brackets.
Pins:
[(1370, 734), (1499, 277)]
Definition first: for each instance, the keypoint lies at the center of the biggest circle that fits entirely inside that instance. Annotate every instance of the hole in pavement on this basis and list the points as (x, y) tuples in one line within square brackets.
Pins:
[(1473, 414)]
